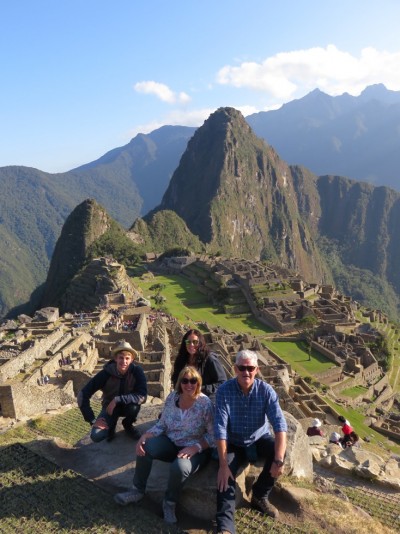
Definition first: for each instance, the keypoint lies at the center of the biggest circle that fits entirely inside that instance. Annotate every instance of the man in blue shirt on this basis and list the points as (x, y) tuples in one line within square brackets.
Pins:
[(245, 409)]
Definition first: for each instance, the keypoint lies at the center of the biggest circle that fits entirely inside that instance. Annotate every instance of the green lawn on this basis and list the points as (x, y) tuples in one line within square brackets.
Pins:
[(185, 302), (296, 355), (354, 392)]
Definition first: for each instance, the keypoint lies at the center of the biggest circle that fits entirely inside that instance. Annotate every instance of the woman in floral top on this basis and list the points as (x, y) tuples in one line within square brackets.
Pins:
[(182, 436)]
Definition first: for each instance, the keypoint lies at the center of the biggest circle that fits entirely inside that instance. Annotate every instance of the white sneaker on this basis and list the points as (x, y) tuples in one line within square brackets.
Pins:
[(128, 497), (169, 511)]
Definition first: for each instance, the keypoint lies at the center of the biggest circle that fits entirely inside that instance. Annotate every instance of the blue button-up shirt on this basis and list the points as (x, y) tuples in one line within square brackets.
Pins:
[(242, 419)]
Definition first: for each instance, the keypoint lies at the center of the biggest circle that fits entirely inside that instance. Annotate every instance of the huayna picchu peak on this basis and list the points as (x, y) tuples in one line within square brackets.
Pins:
[(238, 196)]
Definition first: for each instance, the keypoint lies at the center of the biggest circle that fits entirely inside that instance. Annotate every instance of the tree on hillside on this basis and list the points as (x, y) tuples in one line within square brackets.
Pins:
[(306, 327)]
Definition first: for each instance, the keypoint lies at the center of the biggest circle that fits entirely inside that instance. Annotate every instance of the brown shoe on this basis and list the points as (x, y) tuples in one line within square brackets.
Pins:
[(263, 505)]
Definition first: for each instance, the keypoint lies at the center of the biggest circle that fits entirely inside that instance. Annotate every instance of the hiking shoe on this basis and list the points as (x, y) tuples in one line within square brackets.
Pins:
[(128, 497), (169, 511), (131, 431), (263, 505)]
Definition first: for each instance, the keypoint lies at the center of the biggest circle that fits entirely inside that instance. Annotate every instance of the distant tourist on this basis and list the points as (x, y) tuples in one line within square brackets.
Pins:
[(182, 436), (124, 388), (347, 429), (315, 428), (245, 409), (195, 352), (349, 440), (335, 438)]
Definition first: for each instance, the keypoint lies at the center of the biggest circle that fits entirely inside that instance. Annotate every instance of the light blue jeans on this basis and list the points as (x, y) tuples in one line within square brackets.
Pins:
[(162, 448)]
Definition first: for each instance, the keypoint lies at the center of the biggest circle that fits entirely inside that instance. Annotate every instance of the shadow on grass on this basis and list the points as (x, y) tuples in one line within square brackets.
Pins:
[(36, 492)]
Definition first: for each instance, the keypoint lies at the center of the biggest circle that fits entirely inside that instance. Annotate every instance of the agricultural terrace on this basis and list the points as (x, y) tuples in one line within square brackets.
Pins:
[(391, 332)]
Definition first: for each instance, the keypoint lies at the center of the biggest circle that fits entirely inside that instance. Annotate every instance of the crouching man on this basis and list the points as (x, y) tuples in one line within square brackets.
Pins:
[(245, 408), (124, 389)]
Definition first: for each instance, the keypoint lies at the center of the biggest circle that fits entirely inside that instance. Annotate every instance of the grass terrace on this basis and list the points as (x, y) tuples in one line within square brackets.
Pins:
[(354, 392), (185, 302), (296, 354)]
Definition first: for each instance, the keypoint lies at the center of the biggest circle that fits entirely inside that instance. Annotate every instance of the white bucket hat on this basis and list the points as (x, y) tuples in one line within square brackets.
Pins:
[(316, 423)]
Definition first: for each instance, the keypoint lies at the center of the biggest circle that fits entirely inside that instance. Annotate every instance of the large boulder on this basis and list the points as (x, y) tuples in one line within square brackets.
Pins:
[(47, 315)]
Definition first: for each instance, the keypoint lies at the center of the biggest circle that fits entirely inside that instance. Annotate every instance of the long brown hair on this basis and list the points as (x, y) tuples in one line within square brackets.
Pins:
[(182, 358)]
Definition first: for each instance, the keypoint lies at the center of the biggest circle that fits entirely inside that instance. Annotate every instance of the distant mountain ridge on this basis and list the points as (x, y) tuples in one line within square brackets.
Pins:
[(356, 137)]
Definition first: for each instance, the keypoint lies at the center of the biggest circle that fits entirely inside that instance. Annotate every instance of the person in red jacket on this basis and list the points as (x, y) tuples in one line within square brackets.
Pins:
[(347, 429)]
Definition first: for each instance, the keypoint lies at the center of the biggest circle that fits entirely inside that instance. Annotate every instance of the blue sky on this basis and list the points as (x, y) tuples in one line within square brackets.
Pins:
[(81, 77)]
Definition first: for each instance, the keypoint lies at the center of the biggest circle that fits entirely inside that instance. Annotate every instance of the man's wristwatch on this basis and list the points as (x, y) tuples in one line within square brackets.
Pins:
[(279, 463)]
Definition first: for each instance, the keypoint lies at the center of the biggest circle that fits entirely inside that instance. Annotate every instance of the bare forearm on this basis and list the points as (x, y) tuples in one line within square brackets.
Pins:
[(222, 451), (280, 445)]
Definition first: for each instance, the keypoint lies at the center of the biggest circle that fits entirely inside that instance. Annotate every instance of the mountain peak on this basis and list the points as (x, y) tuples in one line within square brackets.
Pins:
[(86, 223), (379, 92)]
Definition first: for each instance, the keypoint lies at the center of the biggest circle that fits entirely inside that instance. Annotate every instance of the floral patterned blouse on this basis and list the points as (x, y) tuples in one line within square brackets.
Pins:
[(186, 427)]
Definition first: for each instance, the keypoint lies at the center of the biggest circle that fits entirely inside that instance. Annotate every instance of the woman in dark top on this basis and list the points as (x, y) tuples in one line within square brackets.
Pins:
[(195, 352)]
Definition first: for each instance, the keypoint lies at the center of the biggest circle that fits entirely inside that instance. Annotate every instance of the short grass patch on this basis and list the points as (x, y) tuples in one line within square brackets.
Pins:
[(69, 426), (354, 391), (37, 496), (296, 354)]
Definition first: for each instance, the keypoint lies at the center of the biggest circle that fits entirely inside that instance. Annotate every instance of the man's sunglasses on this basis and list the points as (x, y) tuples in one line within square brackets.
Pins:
[(249, 368), (192, 381), (194, 342)]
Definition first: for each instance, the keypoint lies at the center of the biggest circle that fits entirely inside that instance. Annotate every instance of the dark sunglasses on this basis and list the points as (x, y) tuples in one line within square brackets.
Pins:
[(194, 342), (189, 381), (249, 368)]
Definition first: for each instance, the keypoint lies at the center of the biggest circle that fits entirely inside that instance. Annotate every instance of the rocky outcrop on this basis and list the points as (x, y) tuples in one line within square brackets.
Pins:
[(356, 461)]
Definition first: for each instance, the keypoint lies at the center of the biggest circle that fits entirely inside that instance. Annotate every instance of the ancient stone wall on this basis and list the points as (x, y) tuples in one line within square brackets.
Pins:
[(386, 430), (141, 333), (29, 400), (28, 356), (326, 352), (78, 379), (330, 375), (7, 402), (381, 385)]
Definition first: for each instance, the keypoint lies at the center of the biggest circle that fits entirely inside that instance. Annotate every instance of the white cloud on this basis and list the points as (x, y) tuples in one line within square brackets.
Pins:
[(161, 91), (175, 118), (288, 75)]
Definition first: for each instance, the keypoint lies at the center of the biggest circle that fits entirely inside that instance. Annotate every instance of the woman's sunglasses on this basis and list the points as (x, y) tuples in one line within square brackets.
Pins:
[(194, 342), (189, 381)]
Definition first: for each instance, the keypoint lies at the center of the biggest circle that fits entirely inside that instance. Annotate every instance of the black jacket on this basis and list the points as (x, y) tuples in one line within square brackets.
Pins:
[(126, 389)]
